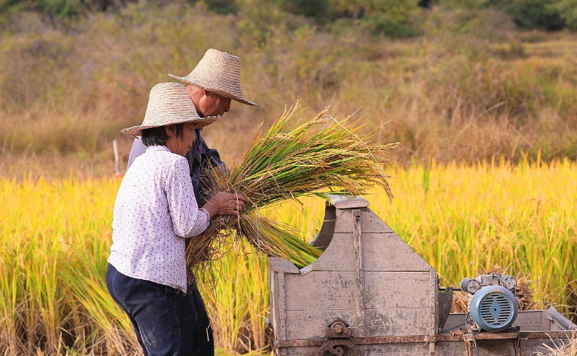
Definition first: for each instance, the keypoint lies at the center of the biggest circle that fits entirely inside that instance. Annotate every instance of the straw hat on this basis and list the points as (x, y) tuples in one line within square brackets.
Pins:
[(217, 72), (169, 104)]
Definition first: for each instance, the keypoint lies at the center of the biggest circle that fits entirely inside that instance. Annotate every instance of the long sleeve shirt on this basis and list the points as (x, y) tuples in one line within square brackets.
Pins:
[(199, 157), (155, 210)]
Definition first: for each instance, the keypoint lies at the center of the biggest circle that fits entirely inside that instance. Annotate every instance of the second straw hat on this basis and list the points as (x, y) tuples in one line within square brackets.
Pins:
[(219, 73), (169, 104)]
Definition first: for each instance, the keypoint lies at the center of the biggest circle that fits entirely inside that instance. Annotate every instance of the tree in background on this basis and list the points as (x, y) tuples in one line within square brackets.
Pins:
[(535, 14), (394, 18), (568, 11)]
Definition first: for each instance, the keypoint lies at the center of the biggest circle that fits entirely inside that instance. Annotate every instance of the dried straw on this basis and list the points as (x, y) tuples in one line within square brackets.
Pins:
[(568, 348)]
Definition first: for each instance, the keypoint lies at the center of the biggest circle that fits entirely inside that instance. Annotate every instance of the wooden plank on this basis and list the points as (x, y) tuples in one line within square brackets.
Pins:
[(280, 330), (359, 283), (388, 252), (338, 256), (382, 252), (391, 290), (373, 223), (397, 321), (321, 290), (434, 302), (310, 324), (343, 221), (348, 202), (370, 222), (298, 351), (279, 264)]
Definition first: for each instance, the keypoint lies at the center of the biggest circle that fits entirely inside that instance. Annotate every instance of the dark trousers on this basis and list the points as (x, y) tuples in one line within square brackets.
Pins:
[(167, 321)]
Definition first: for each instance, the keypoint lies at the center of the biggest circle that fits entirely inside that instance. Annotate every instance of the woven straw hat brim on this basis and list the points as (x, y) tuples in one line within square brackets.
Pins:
[(169, 104), (137, 130), (213, 89)]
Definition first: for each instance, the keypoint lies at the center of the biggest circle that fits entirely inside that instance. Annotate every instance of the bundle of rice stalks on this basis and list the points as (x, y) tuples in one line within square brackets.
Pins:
[(291, 160)]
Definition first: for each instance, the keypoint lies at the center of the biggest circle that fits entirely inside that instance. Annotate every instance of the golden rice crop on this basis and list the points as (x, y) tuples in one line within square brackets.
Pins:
[(293, 159), (55, 238)]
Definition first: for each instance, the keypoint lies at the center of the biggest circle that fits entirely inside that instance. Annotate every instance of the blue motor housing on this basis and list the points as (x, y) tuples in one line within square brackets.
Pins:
[(494, 308)]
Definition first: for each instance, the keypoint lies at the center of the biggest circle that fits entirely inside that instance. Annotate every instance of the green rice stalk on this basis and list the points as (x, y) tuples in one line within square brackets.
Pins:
[(291, 160)]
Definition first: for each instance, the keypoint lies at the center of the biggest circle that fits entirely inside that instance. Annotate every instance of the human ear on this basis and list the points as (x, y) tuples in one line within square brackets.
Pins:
[(170, 131), (205, 93)]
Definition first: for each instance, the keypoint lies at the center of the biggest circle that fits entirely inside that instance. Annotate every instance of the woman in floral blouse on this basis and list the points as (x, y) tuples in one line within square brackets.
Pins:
[(155, 211)]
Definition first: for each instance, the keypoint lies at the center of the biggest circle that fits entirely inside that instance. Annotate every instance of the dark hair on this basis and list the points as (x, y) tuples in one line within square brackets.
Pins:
[(157, 136)]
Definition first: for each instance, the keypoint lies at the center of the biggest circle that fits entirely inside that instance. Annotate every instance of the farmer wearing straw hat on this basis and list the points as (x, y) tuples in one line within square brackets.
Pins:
[(155, 211), (211, 85)]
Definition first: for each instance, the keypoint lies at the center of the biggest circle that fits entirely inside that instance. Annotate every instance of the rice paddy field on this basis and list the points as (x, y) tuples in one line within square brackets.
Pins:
[(55, 237)]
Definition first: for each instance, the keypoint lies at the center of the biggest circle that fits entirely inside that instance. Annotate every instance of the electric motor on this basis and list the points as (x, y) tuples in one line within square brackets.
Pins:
[(493, 306)]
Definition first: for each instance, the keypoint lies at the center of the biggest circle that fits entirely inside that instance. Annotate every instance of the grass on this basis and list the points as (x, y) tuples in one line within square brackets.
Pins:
[(456, 93), (55, 238)]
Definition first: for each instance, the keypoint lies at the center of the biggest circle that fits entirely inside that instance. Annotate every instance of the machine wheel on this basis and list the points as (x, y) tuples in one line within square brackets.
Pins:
[(338, 348)]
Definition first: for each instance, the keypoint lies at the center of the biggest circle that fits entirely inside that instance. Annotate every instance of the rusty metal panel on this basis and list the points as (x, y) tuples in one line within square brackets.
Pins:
[(454, 319), (321, 290), (492, 348), (396, 350), (312, 324), (529, 320), (531, 347), (489, 344)]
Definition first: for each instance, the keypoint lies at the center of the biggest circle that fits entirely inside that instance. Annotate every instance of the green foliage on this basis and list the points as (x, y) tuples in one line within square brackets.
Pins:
[(394, 18), (222, 7), (539, 14), (320, 10), (465, 4), (568, 11), (61, 8), (53, 10), (468, 88), (258, 19)]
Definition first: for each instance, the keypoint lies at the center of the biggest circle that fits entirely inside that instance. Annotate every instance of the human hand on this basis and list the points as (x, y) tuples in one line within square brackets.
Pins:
[(226, 204)]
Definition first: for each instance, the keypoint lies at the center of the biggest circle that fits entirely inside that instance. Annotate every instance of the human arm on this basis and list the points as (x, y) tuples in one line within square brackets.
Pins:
[(226, 204), (187, 219)]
